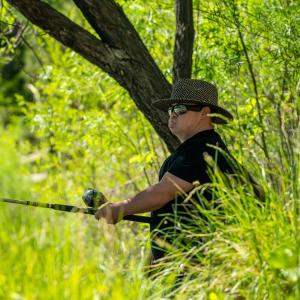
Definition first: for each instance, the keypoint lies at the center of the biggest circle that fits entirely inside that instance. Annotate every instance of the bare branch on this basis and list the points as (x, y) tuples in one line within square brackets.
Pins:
[(13, 34), (184, 40), (113, 26)]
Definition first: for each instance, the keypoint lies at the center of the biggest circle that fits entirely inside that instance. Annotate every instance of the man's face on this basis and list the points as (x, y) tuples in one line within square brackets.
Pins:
[(182, 120)]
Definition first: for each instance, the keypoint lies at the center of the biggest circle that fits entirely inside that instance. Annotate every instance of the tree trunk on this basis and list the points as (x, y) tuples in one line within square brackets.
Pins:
[(119, 52), (184, 40)]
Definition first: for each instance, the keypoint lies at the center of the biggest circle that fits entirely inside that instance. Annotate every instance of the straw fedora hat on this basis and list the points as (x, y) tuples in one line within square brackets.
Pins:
[(193, 91)]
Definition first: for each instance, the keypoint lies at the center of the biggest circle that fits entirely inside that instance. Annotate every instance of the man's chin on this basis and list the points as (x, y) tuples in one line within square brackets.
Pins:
[(172, 129)]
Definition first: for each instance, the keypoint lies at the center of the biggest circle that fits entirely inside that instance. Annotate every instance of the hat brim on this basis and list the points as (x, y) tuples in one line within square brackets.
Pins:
[(225, 116)]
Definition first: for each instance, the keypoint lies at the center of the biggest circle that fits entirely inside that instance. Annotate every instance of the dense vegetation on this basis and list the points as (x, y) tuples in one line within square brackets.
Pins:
[(66, 126)]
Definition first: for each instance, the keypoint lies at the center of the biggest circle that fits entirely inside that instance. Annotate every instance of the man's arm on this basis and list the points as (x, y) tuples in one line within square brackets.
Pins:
[(149, 199)]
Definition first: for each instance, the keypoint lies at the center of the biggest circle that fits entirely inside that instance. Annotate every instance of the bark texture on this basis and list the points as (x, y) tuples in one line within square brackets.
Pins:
[(118, 50), (184, 40)]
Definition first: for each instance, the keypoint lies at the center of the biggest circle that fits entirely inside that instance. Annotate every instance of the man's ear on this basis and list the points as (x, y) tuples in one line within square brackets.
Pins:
[(206, 110)]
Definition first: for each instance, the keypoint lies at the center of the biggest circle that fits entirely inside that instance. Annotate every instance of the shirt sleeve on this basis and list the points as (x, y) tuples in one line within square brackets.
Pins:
[(190, 166)]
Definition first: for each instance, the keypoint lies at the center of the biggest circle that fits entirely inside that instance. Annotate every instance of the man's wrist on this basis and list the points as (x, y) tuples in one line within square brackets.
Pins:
[(118, 210)]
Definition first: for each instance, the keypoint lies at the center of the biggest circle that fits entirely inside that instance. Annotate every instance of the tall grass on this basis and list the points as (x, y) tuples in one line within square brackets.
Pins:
[(46, 254), (249, 249)]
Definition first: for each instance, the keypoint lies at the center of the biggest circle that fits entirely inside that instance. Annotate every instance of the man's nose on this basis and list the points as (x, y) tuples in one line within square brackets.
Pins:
[(173, 115)]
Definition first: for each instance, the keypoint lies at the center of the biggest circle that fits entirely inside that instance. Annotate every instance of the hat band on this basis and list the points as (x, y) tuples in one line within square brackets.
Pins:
[(193, 96)]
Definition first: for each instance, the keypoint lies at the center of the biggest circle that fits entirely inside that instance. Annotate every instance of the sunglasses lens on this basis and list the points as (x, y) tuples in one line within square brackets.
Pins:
[(180, 109), (177, 109)]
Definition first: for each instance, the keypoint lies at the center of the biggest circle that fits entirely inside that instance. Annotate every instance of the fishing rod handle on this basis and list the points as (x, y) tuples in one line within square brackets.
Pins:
[(134, 218)]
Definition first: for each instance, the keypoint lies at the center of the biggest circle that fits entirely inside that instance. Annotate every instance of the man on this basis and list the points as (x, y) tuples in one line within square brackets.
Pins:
[(189, 107)]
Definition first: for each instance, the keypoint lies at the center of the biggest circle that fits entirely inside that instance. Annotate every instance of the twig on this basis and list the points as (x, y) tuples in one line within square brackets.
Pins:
[(34, 52)]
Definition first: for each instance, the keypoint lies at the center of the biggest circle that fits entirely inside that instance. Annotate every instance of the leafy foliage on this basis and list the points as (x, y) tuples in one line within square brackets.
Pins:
[(80, 129)]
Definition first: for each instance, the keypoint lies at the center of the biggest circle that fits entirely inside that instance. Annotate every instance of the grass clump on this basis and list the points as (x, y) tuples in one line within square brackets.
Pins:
[(243, 247)]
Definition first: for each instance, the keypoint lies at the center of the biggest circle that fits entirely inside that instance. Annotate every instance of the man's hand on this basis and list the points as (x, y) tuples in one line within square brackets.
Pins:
[(152, 198), (110, 213)]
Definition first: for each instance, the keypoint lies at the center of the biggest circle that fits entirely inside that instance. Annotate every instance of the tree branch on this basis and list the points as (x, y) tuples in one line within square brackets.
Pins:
[(68, 33), (120, 53), (184, 40), (113, 27)]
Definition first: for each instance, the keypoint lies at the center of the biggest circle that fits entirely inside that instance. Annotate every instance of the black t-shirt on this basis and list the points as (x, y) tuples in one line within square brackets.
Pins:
[(186, 162)]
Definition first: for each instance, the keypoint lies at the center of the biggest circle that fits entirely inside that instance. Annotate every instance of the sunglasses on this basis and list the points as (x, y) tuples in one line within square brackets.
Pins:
[(180, 109)]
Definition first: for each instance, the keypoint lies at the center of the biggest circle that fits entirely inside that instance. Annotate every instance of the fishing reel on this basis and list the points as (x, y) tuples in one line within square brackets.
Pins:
[(93, 198)]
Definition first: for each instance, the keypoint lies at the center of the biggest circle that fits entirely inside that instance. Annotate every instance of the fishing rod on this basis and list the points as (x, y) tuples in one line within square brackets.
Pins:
[(92, 198)]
